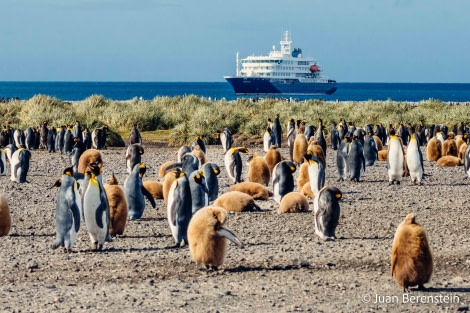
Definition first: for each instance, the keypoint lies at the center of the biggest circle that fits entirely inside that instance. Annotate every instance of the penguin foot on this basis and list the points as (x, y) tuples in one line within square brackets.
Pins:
[(108, 238), (421, 287)]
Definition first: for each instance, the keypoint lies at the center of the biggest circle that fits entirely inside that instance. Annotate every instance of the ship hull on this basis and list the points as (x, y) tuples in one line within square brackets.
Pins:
[(264, 86)]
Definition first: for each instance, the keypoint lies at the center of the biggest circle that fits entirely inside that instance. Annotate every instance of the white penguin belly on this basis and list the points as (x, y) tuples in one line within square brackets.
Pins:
[(91, 203), (229, 165), (171, 199), (395, 159), (413, 161)]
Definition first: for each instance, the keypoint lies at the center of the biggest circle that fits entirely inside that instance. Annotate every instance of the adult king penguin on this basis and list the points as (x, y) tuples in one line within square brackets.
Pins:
[(134, 136), (327, 212), (283, 180), (226, 139), (414, 159), (234, 164), (133, 156), (395, 158), (199, 192), (68, 211), (211, 171), (20, 165), (277, 131), (342, 158), (135, 192), (291, 137), (179, 209), (316, 172), (356, 160)]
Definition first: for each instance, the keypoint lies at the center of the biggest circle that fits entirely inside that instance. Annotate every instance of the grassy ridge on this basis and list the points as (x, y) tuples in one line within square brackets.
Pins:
[(190, 116)]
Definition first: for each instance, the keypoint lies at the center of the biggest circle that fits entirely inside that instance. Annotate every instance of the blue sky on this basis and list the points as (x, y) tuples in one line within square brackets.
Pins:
[(171, 40)]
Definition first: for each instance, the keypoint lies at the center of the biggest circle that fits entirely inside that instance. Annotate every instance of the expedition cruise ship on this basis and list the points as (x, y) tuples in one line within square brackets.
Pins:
[(282, 72)]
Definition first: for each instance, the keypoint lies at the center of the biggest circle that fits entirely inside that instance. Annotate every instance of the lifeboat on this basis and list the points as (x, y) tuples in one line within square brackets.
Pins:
[(314, 68)]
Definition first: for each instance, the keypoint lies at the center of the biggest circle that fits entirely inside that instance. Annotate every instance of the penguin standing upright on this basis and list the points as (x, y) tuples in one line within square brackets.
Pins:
[(77, 131), (371, 153), (20, 165), (198, 142), (95, 208), (356, 160), (4, 137), (334, 137), (20, 138), (134, 136), (226, 139), (181, 152), (30, 139), (118, 207), (267, 139), (414, 160), (3, 163), (300, 148), (283, 180), (234, 164), (320, 138), (135, 192), (342, 158), (77, 151), (51, 139), (277, 131), (60, 139), (327, 212), (199, 192), (87, 138), (258, 170), (68, 211), (466, 161), (291, 137), (133, 156), (316, 172), (211, 171), (395, 158), (404, 134), (179, 209), (68, 142), (411, 260)]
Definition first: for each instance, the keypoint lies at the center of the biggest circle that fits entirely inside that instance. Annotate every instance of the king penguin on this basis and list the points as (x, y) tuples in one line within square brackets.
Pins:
[(136, 192), (3, 162), (179, 209), (356, 160), (20, 165), (198, 142), (327, 212), (291, 137), (342, 158), (277, 131), (226, 139), (283, 180), (133, 156), (199, 192), (68, 211), (267, 139), (68, 142), (316, 172), (95, 208), (334, 137), (211, 171), (414, 159), (371, 153), (206, 235), (134, 136), (118, 207), (466, 161), (77, 151), (5, 218), (395, 158), (51, 139), (234, 164)]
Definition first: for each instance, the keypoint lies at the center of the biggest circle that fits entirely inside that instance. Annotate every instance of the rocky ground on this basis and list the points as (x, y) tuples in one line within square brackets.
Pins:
[(283, 266)]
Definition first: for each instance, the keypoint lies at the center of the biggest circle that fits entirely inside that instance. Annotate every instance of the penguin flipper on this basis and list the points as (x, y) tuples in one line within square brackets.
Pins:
[(75, 216), (99, 214), (149, 196)]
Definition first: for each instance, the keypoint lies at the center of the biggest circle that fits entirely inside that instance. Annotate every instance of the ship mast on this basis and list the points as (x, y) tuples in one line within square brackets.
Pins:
[(285, 44)]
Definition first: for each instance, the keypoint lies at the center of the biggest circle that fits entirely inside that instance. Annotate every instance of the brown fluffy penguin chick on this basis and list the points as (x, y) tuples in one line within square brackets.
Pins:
[(463, 148), (300, 148), (272, 157), (449, 160), (162, 172), (88, 157), (317, 151), (197, 151), (118, 209), (378, 142), (236, 201), (433, 149), (155, 188), (307, 191), (460, 140), (382, 155), (293, 202), (257, 191), (168, 180), (5, 219), (258, 171), (207, 236), (411, 262), (449, 147), (303, 177)]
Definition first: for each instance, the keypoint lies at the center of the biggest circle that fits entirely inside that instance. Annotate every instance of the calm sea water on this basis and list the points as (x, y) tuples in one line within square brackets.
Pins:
[(74, 91)]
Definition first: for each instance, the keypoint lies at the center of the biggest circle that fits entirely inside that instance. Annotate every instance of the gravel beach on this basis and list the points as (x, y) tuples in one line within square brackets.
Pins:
[(283, 266)]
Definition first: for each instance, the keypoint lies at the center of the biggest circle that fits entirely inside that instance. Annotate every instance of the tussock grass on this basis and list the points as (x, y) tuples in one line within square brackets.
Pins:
[(183, 118)]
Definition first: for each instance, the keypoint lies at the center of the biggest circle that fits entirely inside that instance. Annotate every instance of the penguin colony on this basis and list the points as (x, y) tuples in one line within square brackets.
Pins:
[(188, 194)]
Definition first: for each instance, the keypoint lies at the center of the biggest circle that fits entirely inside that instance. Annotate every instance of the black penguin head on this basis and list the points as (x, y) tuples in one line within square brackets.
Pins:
[(94, 169), (392, 131), (68, 171), (198, 178)]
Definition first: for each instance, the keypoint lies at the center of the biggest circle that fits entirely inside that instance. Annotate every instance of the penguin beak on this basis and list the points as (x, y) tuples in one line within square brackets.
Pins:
[(230, 236)]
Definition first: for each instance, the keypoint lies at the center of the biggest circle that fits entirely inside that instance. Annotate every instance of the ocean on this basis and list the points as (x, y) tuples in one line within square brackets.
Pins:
[(76, 91)]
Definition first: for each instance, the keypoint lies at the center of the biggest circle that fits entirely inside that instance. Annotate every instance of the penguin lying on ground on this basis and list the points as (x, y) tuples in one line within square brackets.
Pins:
[(293, 202), (257, 191), (236, 201)]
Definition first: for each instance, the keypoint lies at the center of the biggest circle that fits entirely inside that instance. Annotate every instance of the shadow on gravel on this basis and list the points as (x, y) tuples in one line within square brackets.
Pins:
[(241, 268), (365, 238), (31, 235)]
